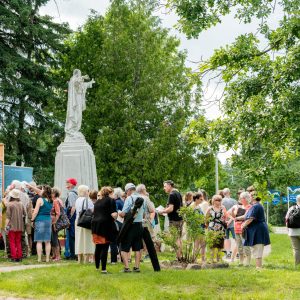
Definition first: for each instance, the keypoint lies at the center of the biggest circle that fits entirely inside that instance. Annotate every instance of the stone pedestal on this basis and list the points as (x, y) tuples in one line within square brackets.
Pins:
[(75, 159)]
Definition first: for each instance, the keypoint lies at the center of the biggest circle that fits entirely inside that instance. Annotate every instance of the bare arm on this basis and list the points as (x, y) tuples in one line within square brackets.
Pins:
[(247, 222), (37, 208), (35, 189), (168, 210)]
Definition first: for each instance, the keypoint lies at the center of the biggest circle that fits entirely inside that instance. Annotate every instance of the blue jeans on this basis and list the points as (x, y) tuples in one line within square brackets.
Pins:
[(67, 247)]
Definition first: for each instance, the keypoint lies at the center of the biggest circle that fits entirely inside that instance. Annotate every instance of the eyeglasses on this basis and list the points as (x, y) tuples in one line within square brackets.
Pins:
[(217, 200)]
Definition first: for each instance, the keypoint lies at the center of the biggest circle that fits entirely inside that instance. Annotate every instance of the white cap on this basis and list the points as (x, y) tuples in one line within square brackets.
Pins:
[(129, 186)]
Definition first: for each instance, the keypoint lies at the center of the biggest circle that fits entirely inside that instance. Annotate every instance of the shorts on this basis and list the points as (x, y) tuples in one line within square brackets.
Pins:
[(133, 238), (178, 225), (258, 250), (227, 231)]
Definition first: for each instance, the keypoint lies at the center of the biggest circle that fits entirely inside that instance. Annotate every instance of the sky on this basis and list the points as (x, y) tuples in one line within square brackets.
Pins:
[(75, 12)]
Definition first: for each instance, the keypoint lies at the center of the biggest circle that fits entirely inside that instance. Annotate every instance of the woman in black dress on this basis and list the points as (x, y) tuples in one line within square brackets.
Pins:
[(103, 226)]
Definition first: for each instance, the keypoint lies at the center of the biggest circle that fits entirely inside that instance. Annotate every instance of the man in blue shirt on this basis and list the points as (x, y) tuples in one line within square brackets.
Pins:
[(71, 213), (134, 235)]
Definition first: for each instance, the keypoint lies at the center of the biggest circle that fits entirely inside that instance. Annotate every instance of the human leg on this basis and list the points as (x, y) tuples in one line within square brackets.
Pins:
[(18, 237), (67, 247), (48, 250), (295, 240), (72, 246), (258, 250), (227, 242), (104, 256), (12, 244), (39, 249), (98, 250), (125, 258), (239, 246), (113, 252)]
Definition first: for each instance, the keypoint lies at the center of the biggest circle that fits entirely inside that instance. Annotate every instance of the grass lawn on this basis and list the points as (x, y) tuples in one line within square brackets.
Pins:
[(279, 280)]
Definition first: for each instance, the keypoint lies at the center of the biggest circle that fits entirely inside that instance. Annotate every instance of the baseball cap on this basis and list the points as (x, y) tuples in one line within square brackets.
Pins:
[(73, 181), (129, 186)]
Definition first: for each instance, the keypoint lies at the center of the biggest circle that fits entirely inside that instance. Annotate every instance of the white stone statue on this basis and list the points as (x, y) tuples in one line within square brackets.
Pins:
[(76, 104)]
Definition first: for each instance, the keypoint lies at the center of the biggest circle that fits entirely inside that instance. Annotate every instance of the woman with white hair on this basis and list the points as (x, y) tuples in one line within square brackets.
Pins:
[(84, 246), (238, 212), (293, 216)]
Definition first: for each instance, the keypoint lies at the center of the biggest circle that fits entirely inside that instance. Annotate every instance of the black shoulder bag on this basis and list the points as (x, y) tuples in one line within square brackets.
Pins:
[(85, 216)]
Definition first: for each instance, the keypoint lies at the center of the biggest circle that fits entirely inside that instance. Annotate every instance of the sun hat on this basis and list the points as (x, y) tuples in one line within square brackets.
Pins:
[(14, 194), (129, 186), (73, 181)]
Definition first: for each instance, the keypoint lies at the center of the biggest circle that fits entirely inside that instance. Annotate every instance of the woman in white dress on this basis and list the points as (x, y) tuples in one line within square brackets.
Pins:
[(84, 246)]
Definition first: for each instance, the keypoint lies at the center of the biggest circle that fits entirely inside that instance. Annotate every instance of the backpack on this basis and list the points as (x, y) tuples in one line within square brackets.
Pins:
[(293, 220)]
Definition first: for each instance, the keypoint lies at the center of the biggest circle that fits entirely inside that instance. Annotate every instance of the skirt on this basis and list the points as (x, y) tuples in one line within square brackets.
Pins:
[(42, 231), (83, 241)]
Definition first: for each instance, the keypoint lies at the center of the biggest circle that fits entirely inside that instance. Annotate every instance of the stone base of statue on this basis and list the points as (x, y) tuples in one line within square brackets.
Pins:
[(75, 159)]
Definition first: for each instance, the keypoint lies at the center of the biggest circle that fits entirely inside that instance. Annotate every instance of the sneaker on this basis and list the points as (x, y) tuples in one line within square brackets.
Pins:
[(113, 263), (137, 270), (104, 272), (126, 270)]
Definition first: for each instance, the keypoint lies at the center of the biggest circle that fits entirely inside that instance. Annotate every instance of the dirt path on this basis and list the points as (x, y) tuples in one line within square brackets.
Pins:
[(5, 269)]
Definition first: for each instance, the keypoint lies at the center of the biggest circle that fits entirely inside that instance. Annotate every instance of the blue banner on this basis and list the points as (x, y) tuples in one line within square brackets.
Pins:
[(275, 193), (294, 191), (17, 173)]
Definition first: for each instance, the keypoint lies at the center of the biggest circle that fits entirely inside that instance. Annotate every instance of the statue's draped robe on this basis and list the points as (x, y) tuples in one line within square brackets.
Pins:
[(76, 104)]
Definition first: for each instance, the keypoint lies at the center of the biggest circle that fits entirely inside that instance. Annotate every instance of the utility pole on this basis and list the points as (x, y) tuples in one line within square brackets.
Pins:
[(217, 172)]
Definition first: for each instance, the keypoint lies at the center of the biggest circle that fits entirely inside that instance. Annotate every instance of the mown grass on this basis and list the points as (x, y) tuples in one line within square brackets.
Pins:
[(279, 280)]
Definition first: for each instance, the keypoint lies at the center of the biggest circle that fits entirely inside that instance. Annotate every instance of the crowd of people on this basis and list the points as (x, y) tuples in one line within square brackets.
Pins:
[(33, 217), (243, 220)]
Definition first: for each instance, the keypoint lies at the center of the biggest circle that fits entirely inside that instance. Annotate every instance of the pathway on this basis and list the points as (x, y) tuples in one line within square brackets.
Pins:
[(5, 269)]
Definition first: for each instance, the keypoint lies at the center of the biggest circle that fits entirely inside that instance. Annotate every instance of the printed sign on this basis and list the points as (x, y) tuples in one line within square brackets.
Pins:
[(17, 173)]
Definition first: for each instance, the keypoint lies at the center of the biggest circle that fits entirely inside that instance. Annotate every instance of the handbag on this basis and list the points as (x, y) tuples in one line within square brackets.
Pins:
[(85, 216), (63, 221)]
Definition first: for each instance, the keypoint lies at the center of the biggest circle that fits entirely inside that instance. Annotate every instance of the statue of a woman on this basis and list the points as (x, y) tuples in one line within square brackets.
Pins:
[(76, 104)]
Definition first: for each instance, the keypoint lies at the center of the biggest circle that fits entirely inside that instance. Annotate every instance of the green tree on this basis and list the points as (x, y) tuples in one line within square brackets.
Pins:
[(261, 74), (142, 99), (29, 44)]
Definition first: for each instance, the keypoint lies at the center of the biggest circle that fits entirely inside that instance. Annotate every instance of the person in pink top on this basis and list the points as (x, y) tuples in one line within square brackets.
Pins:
[(238, 212), (55, 213)]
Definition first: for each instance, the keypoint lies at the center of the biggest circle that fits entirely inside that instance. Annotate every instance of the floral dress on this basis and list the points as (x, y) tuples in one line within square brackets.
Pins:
[(217, 224)]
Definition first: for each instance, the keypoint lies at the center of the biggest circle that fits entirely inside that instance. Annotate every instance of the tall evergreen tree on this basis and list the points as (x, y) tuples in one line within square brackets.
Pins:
[(29, 44)]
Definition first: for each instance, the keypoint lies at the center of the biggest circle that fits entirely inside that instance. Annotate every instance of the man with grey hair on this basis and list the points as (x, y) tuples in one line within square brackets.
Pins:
[(134, 234), (148, 233), (293, 223), (228, 202)]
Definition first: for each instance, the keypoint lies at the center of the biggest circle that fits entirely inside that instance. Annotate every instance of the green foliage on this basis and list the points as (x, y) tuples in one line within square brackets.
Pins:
[(29, 44), (213, 237), (193, 232), (277, 214), (260, 116), (141, 102)]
